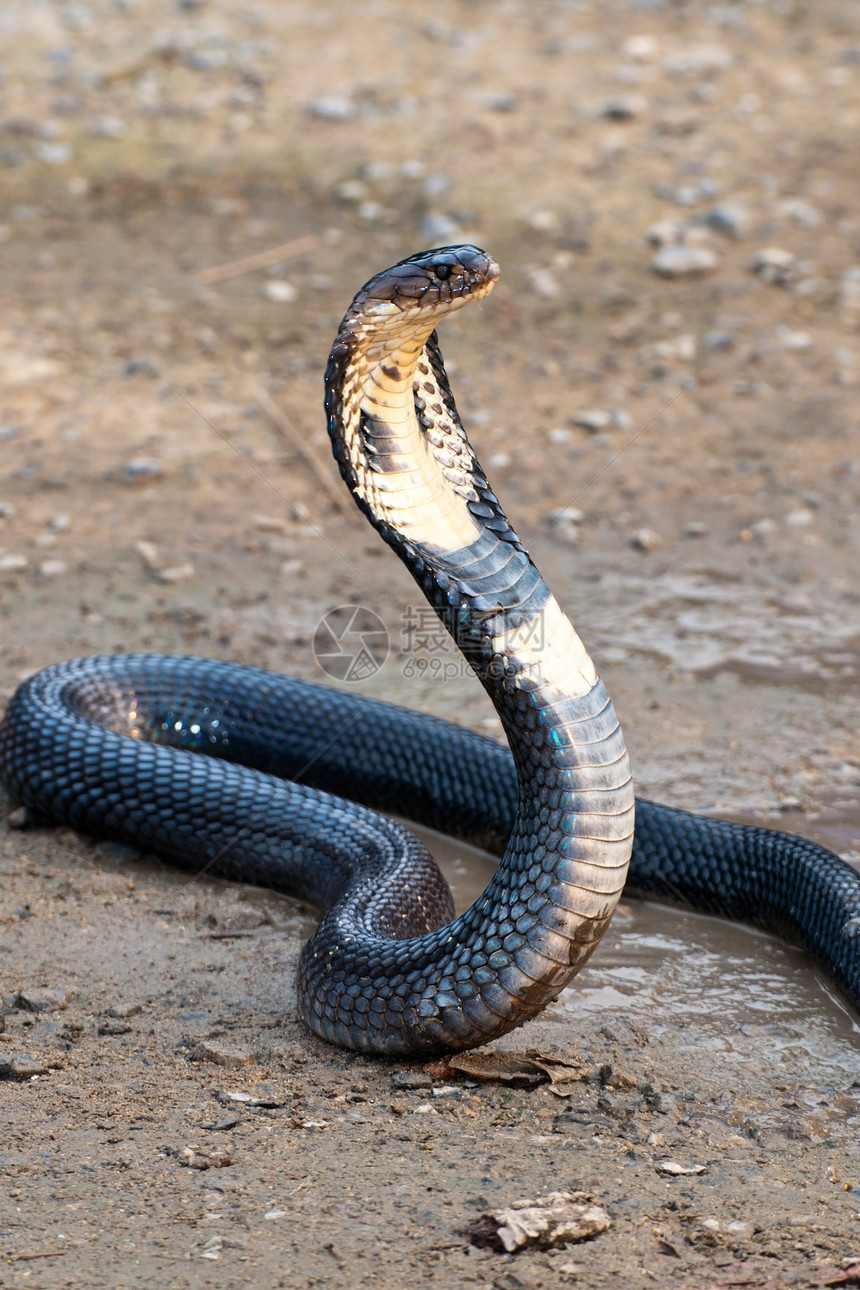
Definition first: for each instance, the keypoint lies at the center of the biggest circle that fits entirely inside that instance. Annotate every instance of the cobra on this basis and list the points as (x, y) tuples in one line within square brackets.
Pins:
[(111, 745)]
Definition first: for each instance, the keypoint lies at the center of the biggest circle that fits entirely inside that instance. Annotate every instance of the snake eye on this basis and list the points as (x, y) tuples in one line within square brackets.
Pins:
[(442, 271)]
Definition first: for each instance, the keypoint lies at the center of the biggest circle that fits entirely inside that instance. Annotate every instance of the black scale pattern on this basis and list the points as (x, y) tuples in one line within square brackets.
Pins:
[(259, 829)]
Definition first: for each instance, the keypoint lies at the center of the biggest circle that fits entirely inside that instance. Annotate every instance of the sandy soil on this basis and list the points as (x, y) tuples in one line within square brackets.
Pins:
[(150, 498)]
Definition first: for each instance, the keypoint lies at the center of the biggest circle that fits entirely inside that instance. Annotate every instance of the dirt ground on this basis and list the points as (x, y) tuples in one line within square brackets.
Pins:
[(167, 1120)]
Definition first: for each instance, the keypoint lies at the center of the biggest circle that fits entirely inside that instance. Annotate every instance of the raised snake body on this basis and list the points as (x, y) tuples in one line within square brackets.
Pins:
[(107, 744)]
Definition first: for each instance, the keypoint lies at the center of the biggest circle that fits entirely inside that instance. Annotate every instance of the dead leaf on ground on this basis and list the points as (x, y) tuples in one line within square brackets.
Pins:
[(557, 1219), (528, 1068)]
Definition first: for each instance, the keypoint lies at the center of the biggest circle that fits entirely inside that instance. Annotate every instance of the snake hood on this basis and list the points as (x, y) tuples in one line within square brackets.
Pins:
[(393, 423)]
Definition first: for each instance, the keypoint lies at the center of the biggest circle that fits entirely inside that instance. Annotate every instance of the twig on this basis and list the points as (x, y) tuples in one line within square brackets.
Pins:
[(36, 1254), (282, 423), (262, 260)]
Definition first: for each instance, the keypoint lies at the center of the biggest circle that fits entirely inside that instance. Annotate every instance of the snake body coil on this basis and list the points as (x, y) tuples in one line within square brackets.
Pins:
[(107, 744)]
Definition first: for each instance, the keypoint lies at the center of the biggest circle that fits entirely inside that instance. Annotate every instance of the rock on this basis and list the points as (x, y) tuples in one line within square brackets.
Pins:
[(41, 999), (559, 436), (672, 1169), (799, 519), (695, 529), (624, 108), (108, 127), (699, 60), (143, 469), (728, 218), (411, 1079), (800, 212), (849, 292), (641, 49), (279, 291), (52, 154), (774, 265), (351, 191), (20, 1066), (544, 283), (439, 227), (593, 419), (797, 340), (564, 524), (333, 108), (141, 366), (667, 232), (692, 194), (504, 102), (221, 1053), (195, 1157), (11, 563), (53, 568), (684, 262), (646, 540), (718, 340)]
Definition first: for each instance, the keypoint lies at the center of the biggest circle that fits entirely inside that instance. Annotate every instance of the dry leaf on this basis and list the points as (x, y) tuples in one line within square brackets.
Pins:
[(556, 1219)]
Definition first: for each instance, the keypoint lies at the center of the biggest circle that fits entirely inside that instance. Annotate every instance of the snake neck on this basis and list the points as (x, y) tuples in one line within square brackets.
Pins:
[(402, 450)]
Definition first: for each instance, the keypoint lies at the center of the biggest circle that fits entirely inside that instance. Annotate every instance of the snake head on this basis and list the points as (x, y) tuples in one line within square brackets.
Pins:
[(426, 286)]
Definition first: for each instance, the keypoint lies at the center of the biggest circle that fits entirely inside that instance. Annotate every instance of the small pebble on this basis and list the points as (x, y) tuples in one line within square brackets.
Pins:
[(624, 108), (718, 340), (544, 283), (646, 540), (141, 366), (799, 519), (411, 1079), (52, 154), (221, 1053), (20, 1066), (332, 109), (695, 529), (728, 218), (564, 524), (667, 232), (698, 60), (53, 568), (12, 563), (849, 291), (280, 292), (795, 340), (41, 999), (774, 265), (506, 102), (800, 212), (176, 573), (439, 227), (593, 419), (684, 261), (108, 127), (351, 191), (143, 468), (641, 49)]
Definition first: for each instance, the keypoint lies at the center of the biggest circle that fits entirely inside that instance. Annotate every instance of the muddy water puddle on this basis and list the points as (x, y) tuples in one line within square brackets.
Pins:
[(718, 987), (704, 626)]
